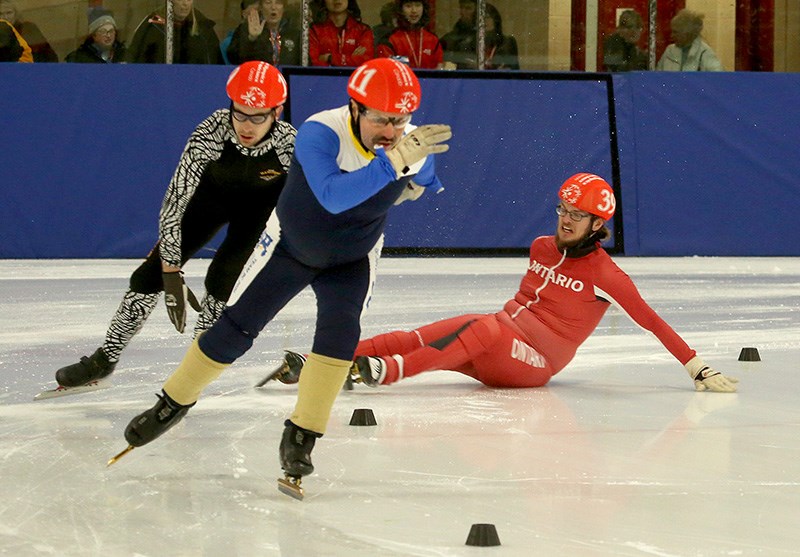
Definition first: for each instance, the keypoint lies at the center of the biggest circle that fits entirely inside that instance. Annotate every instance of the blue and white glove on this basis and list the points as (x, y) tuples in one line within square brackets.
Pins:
[(707, 378)]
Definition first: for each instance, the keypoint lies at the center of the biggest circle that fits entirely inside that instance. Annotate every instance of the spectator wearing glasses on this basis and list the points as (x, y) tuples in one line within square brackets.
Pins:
[(569, 285), (101, 45), (350, 165), (265, 34), (338, 37), (40, 47), (230, 173), (411, 40), (620, 50)]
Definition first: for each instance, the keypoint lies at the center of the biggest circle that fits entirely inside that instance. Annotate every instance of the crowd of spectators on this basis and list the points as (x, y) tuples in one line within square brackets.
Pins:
[(271, 31)]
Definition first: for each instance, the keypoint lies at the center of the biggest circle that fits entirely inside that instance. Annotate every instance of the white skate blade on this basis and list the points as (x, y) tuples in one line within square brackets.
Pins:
[(291, 486), (98, 385)]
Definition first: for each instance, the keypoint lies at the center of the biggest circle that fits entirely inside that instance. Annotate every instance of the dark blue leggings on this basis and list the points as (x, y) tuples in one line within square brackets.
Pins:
[(341, 293)]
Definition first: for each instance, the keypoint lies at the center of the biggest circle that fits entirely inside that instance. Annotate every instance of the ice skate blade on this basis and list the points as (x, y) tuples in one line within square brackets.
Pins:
[(290, 486), (98, 385), (271, 377), (120, 455)]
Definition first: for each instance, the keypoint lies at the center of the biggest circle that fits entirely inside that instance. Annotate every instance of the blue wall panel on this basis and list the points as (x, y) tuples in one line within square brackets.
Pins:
[(708, 164), (716, 163), (89, 150)]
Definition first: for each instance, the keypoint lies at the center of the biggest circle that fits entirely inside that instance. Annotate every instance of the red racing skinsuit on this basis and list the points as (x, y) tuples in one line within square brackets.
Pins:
[(559, 304)]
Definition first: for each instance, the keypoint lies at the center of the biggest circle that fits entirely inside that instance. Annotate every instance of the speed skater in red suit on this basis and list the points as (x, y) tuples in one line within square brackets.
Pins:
[(570, 283)]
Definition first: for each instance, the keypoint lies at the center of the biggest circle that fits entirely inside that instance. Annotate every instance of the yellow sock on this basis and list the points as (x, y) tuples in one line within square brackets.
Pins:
[(320, 382), (194, 374)]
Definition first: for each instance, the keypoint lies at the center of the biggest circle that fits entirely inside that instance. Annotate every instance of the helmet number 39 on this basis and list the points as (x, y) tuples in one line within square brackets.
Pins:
[(609, 204)]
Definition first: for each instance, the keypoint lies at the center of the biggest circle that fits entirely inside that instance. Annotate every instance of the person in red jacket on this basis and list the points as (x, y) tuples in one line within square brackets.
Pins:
[(411, 40), (339, 38), (570, 283)]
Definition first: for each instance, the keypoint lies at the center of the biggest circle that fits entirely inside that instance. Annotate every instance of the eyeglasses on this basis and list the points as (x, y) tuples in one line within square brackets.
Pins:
[(256, 119), (105, 31), (576, 216), (398, 122)]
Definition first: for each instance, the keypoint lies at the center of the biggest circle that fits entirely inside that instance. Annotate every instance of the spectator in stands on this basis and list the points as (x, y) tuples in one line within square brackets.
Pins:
[(411, 41), (247, 6), (688, 51), (195, 41), (13, 47), (101, 45), (501, 50), (460, 45), (620, 51), (387, 25), (338, 37), (265, 34), (40, 48)]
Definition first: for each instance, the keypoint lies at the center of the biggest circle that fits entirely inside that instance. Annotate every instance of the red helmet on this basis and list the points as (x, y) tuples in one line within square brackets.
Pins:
[(386, 85), (590, 193), (257, 84)]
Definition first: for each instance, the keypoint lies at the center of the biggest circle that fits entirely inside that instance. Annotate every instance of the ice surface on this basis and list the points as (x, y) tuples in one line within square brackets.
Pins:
[(617, 456)]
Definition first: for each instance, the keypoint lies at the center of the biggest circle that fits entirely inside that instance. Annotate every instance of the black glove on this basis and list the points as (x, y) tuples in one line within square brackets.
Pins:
[(176, 293)]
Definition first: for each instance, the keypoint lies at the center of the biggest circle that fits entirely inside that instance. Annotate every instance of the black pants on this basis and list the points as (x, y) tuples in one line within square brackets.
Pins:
[(207, 212)]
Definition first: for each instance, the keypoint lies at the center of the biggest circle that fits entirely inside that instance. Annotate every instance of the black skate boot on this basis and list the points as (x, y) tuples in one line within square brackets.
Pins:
[(369, 370), (289, 371), (151, 424), (89, 369), (295, 454)]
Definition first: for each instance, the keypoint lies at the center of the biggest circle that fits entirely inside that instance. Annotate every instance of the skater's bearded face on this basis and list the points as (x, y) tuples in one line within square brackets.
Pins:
[(574, 225), (252, 124)]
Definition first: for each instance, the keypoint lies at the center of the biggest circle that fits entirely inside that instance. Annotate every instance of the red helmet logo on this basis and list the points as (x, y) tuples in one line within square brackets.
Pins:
[(257, 84), (589, 193)]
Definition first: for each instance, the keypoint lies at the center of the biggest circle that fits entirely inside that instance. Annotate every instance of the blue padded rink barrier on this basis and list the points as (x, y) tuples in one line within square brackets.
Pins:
[(617, 456)]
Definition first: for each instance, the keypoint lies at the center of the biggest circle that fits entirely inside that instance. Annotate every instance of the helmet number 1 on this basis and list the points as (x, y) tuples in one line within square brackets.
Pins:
[(361, 79)]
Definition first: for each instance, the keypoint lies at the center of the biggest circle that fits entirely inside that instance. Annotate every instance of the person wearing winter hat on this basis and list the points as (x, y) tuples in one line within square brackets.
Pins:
[(230, 173), (351, 165), (101, 46)]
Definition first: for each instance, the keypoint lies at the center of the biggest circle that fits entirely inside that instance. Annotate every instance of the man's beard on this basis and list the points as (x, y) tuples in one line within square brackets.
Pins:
[(567, 244)]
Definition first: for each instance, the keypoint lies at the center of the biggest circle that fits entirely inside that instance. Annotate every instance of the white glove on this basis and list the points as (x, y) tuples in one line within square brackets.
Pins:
[(707, 378), (418, 144), (411, 192)]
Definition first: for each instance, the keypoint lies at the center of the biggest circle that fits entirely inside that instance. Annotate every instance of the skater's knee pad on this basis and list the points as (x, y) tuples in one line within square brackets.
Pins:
[(193, 374), (480, 335), (320, 382)]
